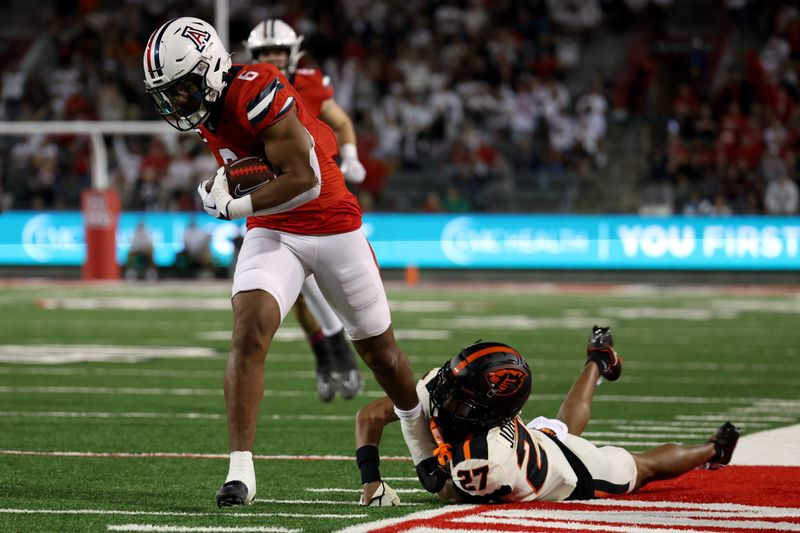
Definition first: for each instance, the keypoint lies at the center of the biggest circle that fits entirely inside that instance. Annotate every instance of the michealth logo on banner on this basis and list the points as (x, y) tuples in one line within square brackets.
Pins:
[(464, 241)]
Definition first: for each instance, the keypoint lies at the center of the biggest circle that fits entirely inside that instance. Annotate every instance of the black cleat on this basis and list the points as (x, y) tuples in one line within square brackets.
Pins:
[(326, 385), (724, 441), (601, 352), (232, 493)]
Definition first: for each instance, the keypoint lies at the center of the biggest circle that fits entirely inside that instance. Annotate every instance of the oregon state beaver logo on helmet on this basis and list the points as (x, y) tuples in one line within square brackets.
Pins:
[(505, 381), (484, 385)]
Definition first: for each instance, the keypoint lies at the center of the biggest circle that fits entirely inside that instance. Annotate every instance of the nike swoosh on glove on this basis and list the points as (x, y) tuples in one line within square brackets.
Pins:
[(218, 196)]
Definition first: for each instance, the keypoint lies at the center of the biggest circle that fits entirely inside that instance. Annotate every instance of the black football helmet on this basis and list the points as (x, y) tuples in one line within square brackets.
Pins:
[(484, 385)]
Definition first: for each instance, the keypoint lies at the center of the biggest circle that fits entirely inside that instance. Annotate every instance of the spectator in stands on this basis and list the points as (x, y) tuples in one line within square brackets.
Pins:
[(140, 260), (196, 254), (781, 197)]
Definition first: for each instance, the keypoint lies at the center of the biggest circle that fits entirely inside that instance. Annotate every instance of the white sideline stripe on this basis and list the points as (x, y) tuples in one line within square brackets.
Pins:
[(627, 528), (759, 510), (546, 517), (388, 522), (181, 455), (119, 512), (358, 491), (612, 515), (782, 445), (199, 529), (191, 416)]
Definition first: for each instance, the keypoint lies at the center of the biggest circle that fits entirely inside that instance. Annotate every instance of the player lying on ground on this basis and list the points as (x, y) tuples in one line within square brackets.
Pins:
[(487, 453)]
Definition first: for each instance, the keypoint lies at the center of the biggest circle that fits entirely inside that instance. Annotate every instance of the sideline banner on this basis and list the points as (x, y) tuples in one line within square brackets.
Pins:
[(468, 241)]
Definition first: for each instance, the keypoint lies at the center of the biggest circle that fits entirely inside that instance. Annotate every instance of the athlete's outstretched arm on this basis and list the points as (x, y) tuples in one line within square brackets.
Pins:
[(576, 409), (370, 420), (335, 117)]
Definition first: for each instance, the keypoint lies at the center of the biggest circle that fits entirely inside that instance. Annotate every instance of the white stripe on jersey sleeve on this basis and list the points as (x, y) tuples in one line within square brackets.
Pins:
[(262, 104)]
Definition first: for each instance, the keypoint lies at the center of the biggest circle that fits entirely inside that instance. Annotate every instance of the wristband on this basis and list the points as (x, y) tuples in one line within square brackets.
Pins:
[(348, 151), (368, 460), (240, 207)]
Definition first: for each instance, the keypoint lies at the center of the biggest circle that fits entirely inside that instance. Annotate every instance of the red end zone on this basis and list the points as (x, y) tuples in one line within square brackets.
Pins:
[(742, 499)]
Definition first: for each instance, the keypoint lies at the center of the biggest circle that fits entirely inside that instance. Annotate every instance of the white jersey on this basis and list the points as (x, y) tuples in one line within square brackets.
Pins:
[(515, 463), (509, 462)]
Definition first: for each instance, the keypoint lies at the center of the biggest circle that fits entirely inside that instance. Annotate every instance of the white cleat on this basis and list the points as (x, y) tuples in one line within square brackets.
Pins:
[(385, 496)]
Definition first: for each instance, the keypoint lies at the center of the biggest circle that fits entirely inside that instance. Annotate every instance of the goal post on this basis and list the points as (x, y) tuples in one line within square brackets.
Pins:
[(100, 205)]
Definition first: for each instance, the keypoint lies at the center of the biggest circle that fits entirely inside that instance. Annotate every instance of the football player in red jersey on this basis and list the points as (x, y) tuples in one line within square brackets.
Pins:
[(274, 41), (487, 453), (303, 221)]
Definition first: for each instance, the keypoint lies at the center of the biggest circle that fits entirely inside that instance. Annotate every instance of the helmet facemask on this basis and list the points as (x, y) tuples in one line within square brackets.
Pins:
[(183, 101), (458, 409), (483, 386)]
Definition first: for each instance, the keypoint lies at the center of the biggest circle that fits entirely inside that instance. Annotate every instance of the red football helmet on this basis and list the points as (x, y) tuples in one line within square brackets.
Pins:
[(484, 385)]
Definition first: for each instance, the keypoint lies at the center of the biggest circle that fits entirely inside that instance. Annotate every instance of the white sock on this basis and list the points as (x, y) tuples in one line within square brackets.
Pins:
[(241, 469), (416, 433)]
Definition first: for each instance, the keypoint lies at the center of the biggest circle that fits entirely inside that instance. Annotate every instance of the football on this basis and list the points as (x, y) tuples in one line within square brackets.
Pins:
[(245, 176)]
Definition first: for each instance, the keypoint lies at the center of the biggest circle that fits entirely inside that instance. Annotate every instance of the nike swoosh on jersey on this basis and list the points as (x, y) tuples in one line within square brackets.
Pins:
[(238, 192)]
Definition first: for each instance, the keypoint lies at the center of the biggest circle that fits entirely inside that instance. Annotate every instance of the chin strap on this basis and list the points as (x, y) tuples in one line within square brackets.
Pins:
[(443, 450)]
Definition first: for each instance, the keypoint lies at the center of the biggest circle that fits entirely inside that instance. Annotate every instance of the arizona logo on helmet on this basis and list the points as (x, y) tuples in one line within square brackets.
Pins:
[(199, 37), (505, 381)]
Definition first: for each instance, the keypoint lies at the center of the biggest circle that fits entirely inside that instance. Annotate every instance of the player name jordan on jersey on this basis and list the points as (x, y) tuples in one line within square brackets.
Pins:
[(508, 462), (257, 97)]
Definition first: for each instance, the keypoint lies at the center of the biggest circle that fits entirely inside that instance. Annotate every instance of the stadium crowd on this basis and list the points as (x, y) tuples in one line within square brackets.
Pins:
[(471, 95), (731, 146), (469, 92)]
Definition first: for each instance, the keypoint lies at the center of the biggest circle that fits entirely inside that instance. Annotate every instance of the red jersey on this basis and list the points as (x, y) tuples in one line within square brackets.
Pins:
[(257, 97), (314, 87)]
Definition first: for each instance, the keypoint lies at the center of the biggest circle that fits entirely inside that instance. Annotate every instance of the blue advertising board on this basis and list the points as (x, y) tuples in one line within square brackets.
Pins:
[(466, 241)]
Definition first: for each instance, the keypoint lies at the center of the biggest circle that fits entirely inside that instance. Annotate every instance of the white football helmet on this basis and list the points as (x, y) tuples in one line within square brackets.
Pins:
[(275, 33), (184, 66)]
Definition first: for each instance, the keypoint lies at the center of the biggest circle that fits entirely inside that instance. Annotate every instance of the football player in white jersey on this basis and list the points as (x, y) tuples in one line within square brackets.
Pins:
[(487, 453)]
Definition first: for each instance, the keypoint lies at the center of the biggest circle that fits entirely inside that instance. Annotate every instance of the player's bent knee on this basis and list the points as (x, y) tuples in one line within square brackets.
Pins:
[(256, 319)]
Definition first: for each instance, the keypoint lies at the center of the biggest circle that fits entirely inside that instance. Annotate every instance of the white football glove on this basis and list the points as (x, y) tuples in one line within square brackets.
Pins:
[(218, 196), (385, 496), (351, 167)]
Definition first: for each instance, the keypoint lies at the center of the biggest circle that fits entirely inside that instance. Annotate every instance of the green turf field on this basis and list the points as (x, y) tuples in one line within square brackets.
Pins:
[(693, 358)]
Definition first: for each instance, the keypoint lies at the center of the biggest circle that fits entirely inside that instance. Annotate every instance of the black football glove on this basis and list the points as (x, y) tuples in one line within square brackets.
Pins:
[(432, 475)]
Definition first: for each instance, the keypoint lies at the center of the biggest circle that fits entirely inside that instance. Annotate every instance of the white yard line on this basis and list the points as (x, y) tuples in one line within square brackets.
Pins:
[(321, 502), (120, 512), (199, 529), (358, 491), (187, 455), (189, 416), (771, 403)]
